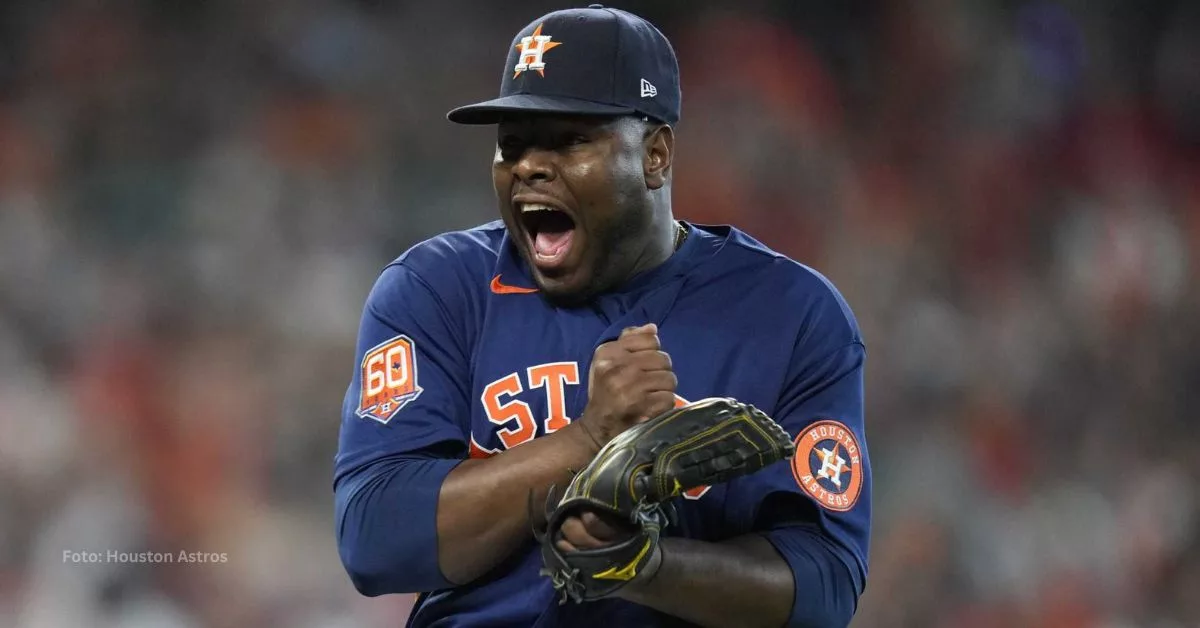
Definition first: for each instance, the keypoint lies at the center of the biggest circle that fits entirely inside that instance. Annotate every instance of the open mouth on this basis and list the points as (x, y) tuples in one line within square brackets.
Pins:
[(551, 232)]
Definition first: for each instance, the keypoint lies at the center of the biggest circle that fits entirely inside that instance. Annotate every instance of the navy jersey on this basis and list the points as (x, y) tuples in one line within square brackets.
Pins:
[(458, 356)]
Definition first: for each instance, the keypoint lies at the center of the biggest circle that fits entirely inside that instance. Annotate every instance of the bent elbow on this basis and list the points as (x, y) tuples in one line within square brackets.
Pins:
[(370, 578), (837, 617), (386, 532), (374, 559)]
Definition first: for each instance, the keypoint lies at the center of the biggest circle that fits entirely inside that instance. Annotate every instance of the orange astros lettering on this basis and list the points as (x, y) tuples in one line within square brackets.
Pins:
[(554, 377), (515, 414)]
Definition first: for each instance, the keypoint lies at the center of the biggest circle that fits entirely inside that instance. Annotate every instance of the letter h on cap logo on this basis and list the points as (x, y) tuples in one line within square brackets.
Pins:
[(531, 49)]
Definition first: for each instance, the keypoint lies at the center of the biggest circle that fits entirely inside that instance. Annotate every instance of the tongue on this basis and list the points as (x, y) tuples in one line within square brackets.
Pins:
[(549, 244)]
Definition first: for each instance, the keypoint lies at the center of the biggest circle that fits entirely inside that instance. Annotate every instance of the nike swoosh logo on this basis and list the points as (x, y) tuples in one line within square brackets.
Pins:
[(499, 288)]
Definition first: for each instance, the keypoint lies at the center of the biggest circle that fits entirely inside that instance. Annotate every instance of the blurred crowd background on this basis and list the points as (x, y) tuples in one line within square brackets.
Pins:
[(195, 198)]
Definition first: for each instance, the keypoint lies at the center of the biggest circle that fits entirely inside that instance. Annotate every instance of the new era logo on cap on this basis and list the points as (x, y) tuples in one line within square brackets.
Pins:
[(648, 89)]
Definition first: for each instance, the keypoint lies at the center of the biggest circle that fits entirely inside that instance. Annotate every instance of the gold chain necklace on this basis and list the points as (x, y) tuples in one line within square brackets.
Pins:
[(680, 234)]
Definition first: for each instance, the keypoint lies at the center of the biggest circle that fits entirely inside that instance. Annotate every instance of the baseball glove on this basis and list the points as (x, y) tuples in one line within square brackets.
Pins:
[(703, 443)]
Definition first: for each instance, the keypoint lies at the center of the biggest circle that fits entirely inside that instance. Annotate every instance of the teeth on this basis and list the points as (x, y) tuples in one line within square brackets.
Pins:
[(536, 207)]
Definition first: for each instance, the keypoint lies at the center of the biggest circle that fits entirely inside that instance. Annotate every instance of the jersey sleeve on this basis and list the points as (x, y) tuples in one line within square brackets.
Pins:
[(409, 385), (402, 433), (816, 508)]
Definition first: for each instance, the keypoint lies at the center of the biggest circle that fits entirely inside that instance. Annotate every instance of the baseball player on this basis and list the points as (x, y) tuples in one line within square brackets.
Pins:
[(494, 362)]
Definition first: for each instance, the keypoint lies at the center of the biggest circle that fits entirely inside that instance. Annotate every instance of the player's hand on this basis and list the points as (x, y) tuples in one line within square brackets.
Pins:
[(590, 529), (630, 380)]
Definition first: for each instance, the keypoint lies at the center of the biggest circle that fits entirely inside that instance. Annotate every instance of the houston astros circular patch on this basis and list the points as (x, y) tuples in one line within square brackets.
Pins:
[(828, 465)]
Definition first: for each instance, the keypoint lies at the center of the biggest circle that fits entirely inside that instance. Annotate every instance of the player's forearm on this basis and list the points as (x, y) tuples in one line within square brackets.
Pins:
[(794, 579), (483, 511), (743, 582)]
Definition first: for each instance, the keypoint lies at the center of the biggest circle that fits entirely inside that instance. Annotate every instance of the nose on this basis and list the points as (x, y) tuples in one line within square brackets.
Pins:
[(535, 164)]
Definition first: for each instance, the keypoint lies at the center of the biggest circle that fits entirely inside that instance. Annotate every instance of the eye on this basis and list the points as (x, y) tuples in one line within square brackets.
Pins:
[(566, 139), (510, 147)]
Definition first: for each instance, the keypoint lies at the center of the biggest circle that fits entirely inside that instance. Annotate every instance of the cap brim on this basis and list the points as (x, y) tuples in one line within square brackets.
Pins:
[(492, 111)]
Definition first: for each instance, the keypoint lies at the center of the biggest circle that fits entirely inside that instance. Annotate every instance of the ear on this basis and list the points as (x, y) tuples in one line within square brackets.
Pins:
[(659, 146)]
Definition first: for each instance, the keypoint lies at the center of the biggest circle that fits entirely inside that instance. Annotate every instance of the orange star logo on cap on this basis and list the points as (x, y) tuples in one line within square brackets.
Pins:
[(531, 49)]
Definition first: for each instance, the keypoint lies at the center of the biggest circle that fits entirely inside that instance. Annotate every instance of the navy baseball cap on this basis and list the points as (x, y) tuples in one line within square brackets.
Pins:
[(593, 61)]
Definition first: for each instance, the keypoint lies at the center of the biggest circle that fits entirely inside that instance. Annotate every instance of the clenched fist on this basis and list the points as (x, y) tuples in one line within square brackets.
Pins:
[(629, 381)]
